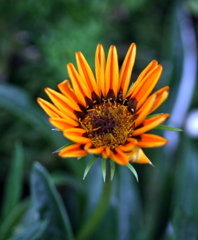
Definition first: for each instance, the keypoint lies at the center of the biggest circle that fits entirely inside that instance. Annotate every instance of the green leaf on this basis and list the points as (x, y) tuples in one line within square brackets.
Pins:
[(13, 219), (88, 167), (132, 169), (112, 167), (153, 115), (104, 168), (13, 186), (48, 205), (32, 232), (168, 128), (61, 148)]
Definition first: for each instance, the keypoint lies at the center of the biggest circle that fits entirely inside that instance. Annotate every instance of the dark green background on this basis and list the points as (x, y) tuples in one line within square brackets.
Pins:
[(38, 38)]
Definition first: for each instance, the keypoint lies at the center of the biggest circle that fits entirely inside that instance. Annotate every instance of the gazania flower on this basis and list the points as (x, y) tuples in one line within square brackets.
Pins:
[(101, 114)]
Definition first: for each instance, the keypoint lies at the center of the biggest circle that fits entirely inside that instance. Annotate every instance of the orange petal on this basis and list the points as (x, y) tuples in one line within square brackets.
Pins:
[(141, 158), (119, 157), (151, 140), (127, 67), (56, 96), (162, 95), (63, 124), (81, 88), (147, 85), (132, 142), (74, 150), (76, 135), (66, 89), (151, 123), (50, 109), (61, 102), (134, 87), (112, 72), (86, 72), (92, 150), (100, 68), (106, 152), (145, 109)]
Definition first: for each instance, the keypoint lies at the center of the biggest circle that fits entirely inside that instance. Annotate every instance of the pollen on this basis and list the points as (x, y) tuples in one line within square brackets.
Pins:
[(109, 124)]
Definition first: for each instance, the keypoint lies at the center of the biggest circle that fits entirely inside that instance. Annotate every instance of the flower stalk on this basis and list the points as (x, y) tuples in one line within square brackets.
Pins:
[(100, 210)]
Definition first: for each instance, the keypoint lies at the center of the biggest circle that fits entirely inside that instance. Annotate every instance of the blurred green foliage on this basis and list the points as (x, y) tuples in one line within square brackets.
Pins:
[(37, 39)]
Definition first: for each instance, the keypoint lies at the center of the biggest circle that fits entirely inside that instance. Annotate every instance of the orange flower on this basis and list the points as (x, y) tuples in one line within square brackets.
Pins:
[(101, 114)]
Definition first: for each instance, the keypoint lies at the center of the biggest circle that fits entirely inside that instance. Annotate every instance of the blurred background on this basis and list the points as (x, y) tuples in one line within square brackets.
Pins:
[(38, 38)]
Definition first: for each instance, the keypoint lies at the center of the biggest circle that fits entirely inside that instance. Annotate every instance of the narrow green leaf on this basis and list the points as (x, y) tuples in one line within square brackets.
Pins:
[(104, 168), (153, 115), (32, 232), (168, 128), (132, 169), (88, 167), (112, 167), (13, 186), (61, 148), (13, 219), (48, 205)]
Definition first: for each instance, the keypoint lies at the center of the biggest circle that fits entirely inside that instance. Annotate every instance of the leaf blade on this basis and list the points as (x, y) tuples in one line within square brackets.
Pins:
[(11, 221), (132, 169), (12, 194), (168, 128), (32, 232), (104, 168), (88, 167), (47, 202), (112, 168)]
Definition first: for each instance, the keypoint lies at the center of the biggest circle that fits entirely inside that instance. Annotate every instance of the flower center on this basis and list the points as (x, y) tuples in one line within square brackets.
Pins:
[(109, 124)]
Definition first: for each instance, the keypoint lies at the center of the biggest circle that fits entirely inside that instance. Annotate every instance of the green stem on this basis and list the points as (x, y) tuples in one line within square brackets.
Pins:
[(99, 211)]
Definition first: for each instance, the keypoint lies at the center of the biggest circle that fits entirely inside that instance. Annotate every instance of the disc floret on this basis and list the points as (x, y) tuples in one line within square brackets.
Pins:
[(109, 124)]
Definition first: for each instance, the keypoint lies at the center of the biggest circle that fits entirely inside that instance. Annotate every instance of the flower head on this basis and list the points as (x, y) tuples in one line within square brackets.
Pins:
[(101, 114)]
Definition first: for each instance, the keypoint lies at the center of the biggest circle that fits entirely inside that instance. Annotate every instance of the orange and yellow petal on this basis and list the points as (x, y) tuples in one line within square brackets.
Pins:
[(138, 156), (74, 150), (63, 123), (62, 103), (145, 109), (100, 64), (86, 72), (150, 123), (129, 146), (80, 86), (93, 150), (66, 89), (126, 69), (119, 157), (76, 135), (147, 85), (151, 140), (112, 72), (135, 87), (106, 152), (162, 95), (141, 158), (58, 98), (50, 109)]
